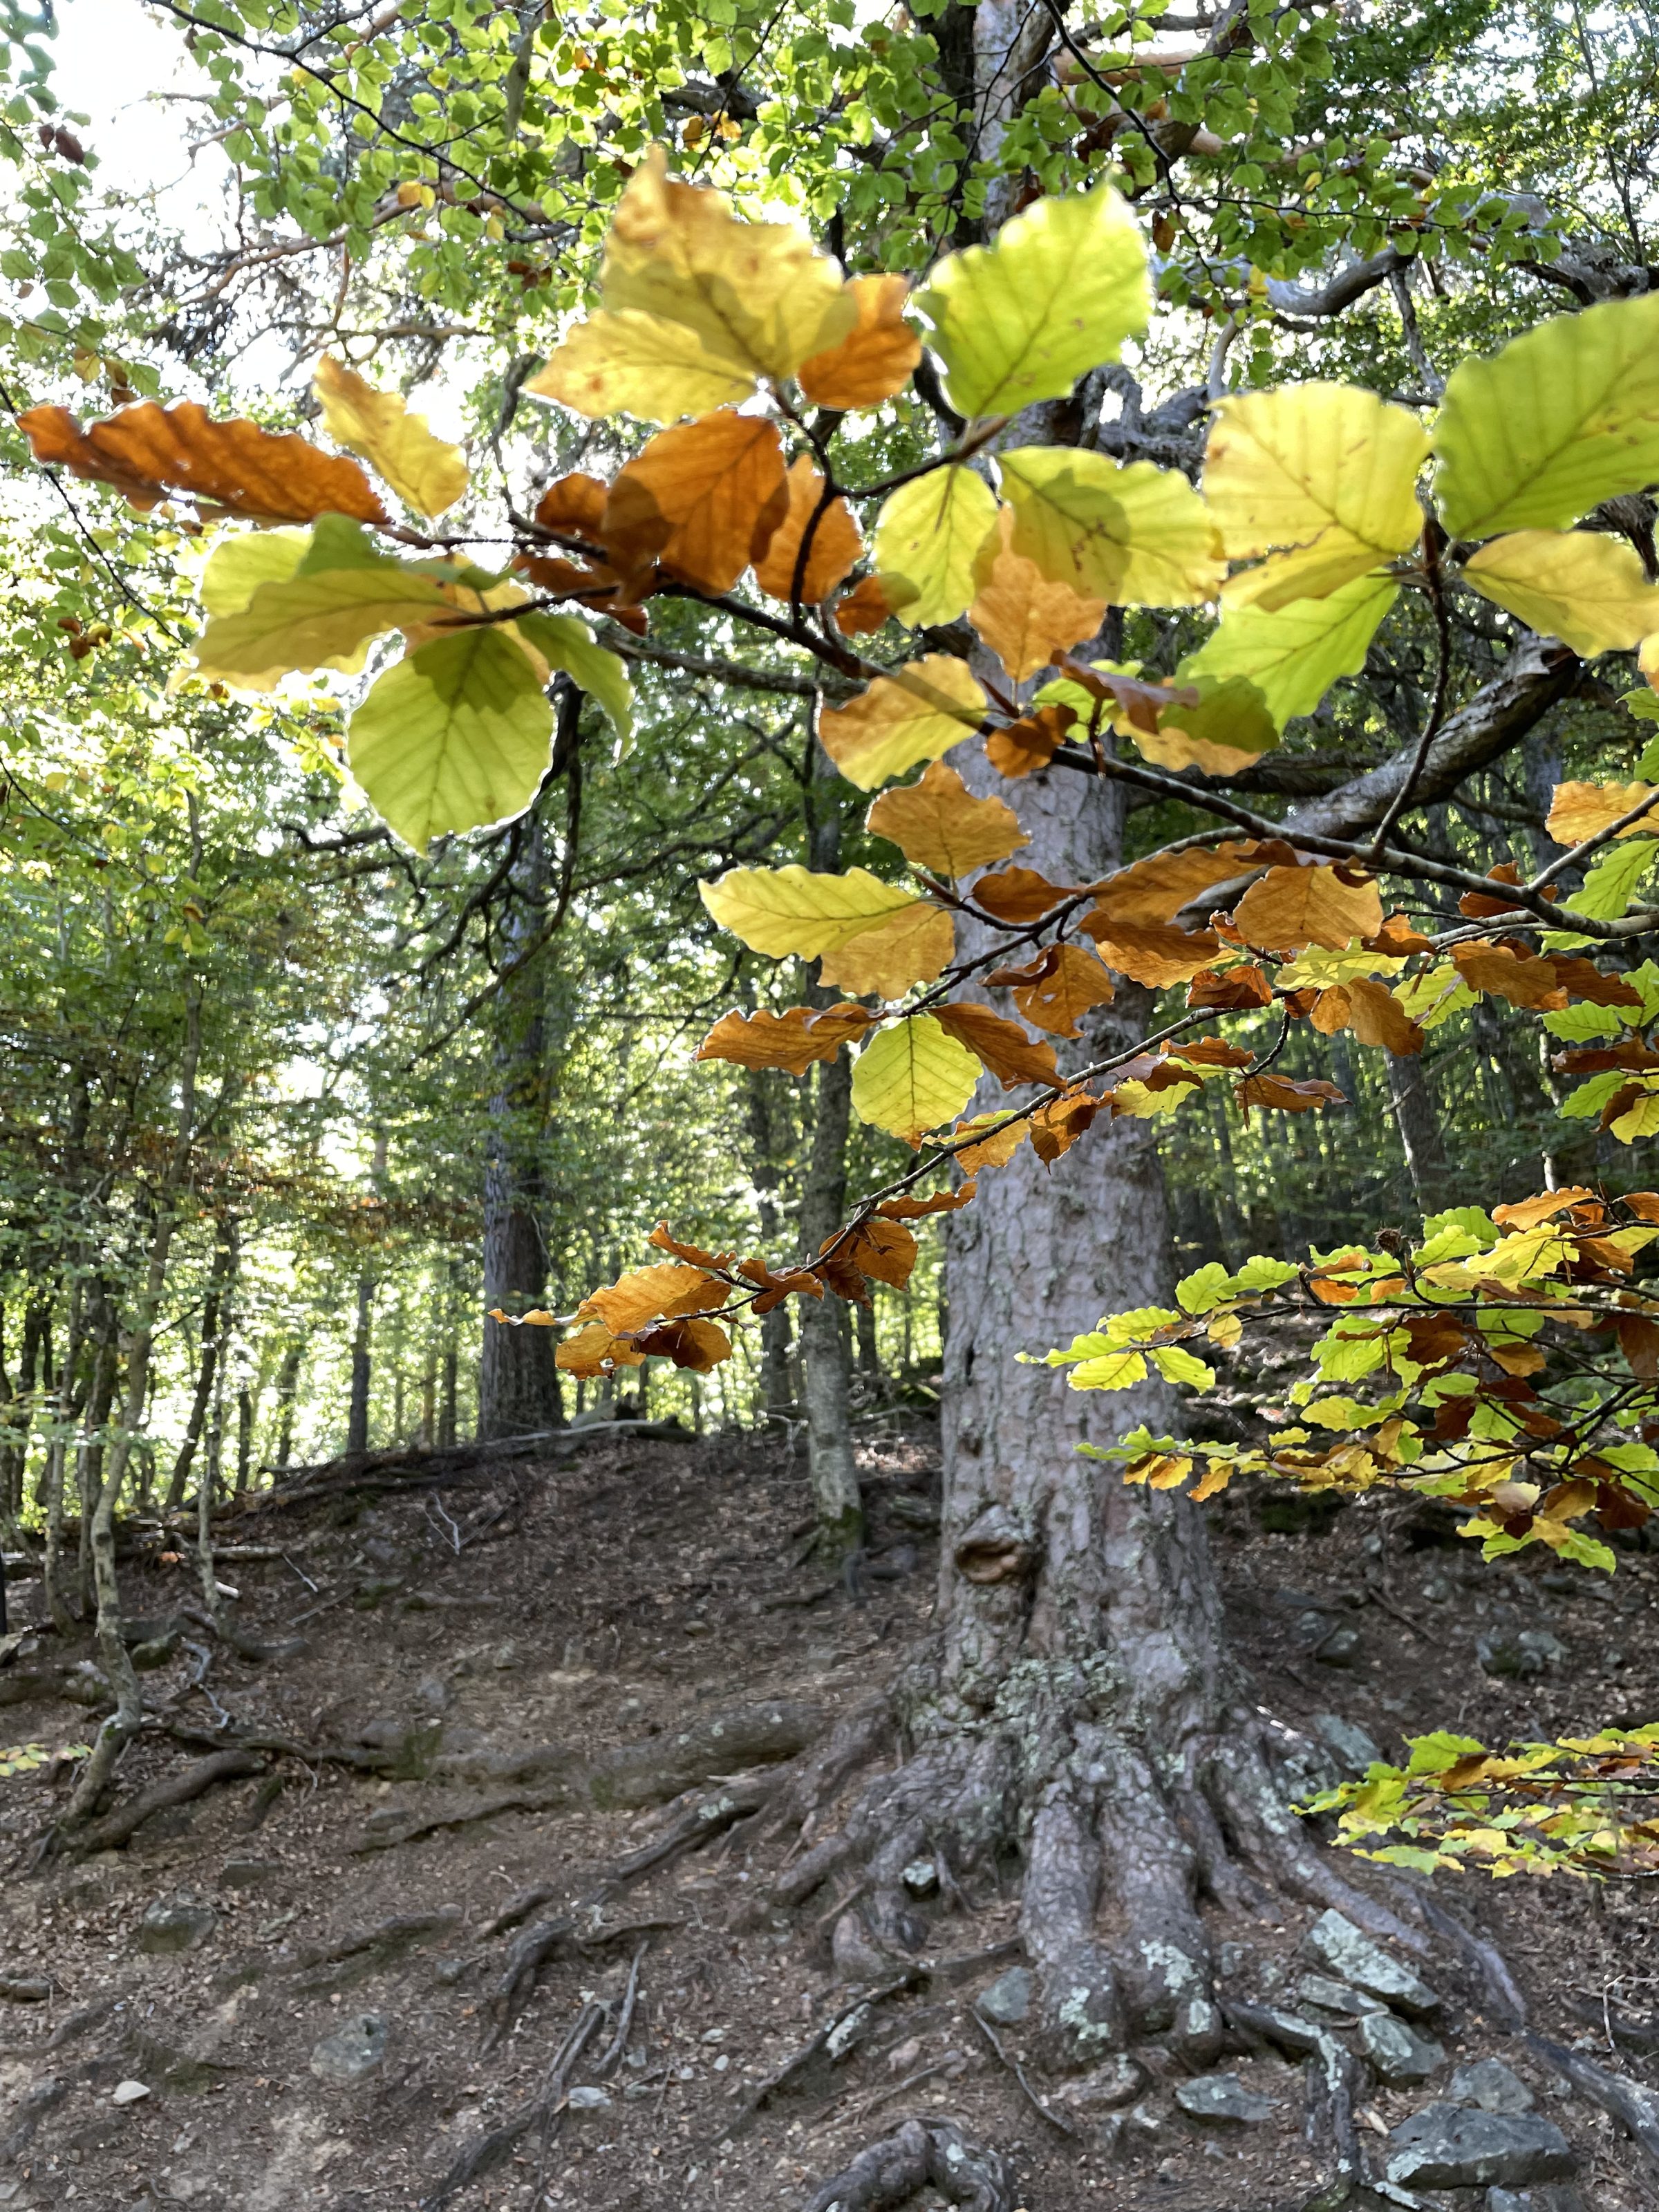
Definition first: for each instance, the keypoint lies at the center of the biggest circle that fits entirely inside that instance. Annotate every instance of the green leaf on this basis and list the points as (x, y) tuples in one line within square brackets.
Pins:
[(1057, 295), (928, 536), (566, 642), (454, 736), (1185, 1368), (1293, 654), (1566, 415), (238, 565), (317, 621), (1262, 1273), (1202, 1291), (1611, 884), (912, 1077), (1136, 535)]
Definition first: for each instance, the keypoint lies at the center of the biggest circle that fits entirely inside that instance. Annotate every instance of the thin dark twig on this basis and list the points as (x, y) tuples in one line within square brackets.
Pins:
[(1431, 545)]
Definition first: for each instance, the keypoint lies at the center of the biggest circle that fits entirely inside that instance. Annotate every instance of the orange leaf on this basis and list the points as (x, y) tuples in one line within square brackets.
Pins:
[(593, 1352), (1522, 978), (698, 1345), (1156, 890), (942, 1201), (884, 1251), (1481, 906), (1398, 938), (1062, 982), (1371, 1012), (994, 1151), (574, 507), (1212, 1052), (865, 608), (1527, 1213), (1002, 1046), (1584, 980), (1288, 1096), (1153, 956), (1026, 619), (1289, 908), (1643, 1204), (836, 543), (1233, 991), (775, 1288), (693, 1255), (147, 452), (1056, 1126), (875, 359), (791, 1041), (703, 498), (666, 1292), (1019, 895), (1025, 746), (939, 825)]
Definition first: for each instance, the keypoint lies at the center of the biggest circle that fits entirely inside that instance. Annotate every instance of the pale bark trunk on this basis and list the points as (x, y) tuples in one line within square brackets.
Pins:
[(825, 1369), (1420, 1137)]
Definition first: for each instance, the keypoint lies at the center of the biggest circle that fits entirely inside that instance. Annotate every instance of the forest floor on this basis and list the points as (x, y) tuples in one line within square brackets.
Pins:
[(283, 1993)]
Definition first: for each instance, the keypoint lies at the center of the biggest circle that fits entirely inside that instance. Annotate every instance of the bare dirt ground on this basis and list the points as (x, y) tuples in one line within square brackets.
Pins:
[(513, 1684)]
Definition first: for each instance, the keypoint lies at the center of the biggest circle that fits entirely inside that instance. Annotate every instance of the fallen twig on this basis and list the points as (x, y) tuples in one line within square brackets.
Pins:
[(1064, 2127)]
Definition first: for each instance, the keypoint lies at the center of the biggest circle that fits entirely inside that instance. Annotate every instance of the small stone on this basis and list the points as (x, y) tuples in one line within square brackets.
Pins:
[(1287, 2029), (434, 1694), (588, 2100), (1520, 1657), (128, 2093), (1340, 1648), (1398, 2054), (1008, 1999), (248, 1873), (1350, 1742), (1492, 2085), (854, 1956), (1222, 2099), (352, 2052), (1146, 2123), (903, 2056), (1119, 2081), (1327, 1995), (1448, 2146), (1554, 2197), (1345, 1951), (920, 1878), (175, 1923), (1231, 1960)]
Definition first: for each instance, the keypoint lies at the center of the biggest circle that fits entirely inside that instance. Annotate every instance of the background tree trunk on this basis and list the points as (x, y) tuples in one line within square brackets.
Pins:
[(220, 1278)]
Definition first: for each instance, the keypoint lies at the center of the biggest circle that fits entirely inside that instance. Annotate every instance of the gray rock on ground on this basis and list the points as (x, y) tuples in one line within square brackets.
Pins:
[(1327, 1995), (1351, 1956), (1554, 2197), (355, 2050), (1398, 2054), (1451, 2147), (1222, 2099), (1355, 1749), (1008, 1999), (1492, 2085), (175, 1923)]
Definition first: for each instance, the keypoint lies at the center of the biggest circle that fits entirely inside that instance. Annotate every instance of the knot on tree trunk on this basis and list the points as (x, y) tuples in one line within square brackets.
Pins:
[(995, 1549)]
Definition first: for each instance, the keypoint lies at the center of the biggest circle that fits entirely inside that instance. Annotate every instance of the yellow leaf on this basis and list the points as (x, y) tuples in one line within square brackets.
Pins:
[(664, 1292), (1026, 617), (938, 825), (928, 536), (751, 300), (1590, 591), (1136, 536), (779, 911), (594, 1351), (876, 357), (425, 472), (836, 543), (912, 947), (703, 499), (912, 1078), (1578, 811), (1323, 476), (993, 1150), (916, 713)]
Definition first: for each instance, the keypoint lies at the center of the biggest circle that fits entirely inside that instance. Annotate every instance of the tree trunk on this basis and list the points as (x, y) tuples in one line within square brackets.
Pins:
[(826, 1374), (362, 1369), (288, 1385), (1421, 1136), (766, 1110), (221, 1277), (518, 1381)]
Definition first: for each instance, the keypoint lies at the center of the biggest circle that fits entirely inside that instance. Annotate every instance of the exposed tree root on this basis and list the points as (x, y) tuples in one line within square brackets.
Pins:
[(920, 2154), (120, 1827), (1636, 2109)]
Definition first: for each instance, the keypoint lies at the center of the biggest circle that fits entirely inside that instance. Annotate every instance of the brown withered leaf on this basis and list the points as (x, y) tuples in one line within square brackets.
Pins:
[(1001, 1045), (994, 1150), (698, 1345), (574, 507), (865, 608), (1643, 1204), (1286, 1095), (1289, 908), (1026, 618), (1023, 747), (792, 1041), (1229, 991), (1017, 896), (937, 823), (693, 1255), (1481, 906), (1397, 938), (775, 1288), (147, 453), (1056, 1126), (593, 584), (1212, 1052), (1136, 703), (1371, 1012), (882, 1251), (703, 499), (1154, 957), (837, 546), (1522, 978), (1527, 1213), (1154, 891), (917, 1209), (876, 357), (1063, 981), (647, 1294), (1584, 980)]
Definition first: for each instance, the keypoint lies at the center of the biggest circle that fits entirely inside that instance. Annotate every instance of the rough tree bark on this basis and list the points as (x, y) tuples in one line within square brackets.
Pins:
[(518, 1381)]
